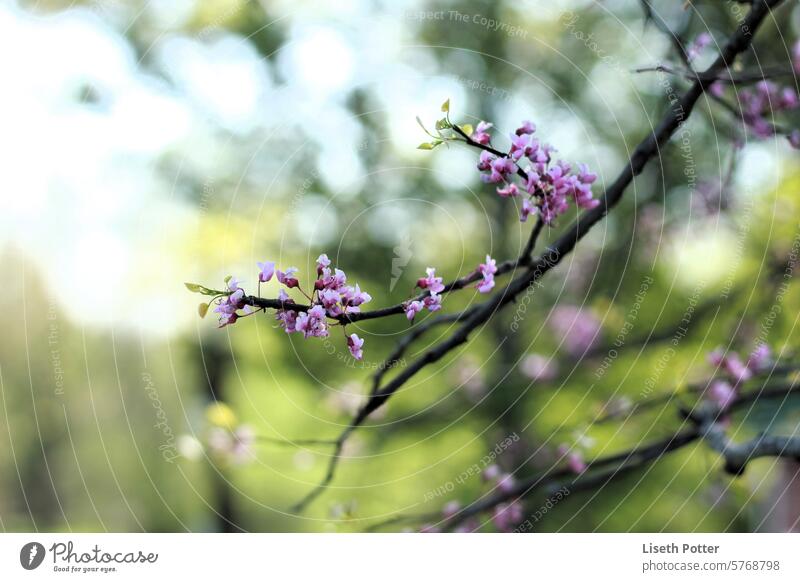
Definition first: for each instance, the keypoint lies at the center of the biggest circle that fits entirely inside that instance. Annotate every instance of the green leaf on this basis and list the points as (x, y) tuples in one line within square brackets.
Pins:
[(443, 124), (228, 278), (467, 128), (195, 288), (446, 106), (429, 146), (202, 309)]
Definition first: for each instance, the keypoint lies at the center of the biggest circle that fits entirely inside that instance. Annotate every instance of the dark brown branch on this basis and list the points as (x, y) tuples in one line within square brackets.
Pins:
[(455, 285), (704, 426), (738, 455), (695, 388), (673, 37), (739, 78), (649, 148), (554, 479)]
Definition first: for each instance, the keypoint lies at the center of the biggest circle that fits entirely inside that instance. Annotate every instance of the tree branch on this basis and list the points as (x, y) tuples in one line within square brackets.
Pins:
[(646, 150), (703, 426)]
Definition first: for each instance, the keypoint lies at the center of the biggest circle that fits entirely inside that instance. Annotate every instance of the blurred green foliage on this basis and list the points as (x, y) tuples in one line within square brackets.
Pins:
[(82, 450)]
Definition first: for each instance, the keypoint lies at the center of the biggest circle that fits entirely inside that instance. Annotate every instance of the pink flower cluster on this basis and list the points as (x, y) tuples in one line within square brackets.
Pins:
[(229, 305), (505, 515), (331, 298), (433, 301), (759, 105), (723, 391), (547, 187)]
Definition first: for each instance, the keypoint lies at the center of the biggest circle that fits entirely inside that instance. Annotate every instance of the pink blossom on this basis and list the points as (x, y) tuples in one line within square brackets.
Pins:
[(538, 367), (312, 323), (336, 280), (469, 375), (227, 306), (716, 357), (526, 128), (287, 277), (467, 526), (560, 179), (721, 393), (491, 473), (758, 106), (796, 56), (540, 155), (533, 183), (330, 299), (551, 186), (450, 509), (760, 358), (576, 463), (226, 318), (243, 440), (582, 189), (486, 284), (487, 271), (527, 209), (322, 262), (498, 170), (354, 344), (520, 146), (433, 302), (412, 308), (237, 298), (506, 515), (738, 371), (696, 47), (481, 135), (267, 269), (353, 298), (284, 296), (485, 161), (235, 446), (219, 440), (509, 191), (788, 98), (731, 365), (432, 283), (578, 327), (794, 139), (287, 319), (717, 89), (574, 459), (505, 483)]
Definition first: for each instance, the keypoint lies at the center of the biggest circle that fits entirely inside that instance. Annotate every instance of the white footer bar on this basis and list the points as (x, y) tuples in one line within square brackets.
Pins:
[(401, 557)]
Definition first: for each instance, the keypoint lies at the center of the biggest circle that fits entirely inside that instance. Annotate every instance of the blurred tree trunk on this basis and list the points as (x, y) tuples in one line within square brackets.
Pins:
[(213, 363)]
